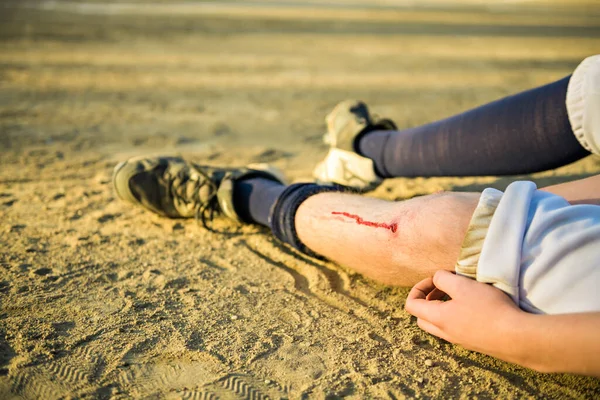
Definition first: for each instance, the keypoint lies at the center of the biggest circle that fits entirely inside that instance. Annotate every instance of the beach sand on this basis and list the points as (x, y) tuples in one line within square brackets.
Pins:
[(99, 299)]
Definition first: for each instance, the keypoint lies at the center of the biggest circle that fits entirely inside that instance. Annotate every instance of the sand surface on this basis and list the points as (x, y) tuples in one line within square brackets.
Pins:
[(102, 300)]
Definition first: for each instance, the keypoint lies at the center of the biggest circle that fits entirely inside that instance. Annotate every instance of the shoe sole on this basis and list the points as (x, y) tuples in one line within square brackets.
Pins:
[(116, 170)]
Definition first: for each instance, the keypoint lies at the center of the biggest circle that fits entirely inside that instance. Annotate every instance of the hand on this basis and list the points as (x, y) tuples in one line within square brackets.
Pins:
[(478, 317)]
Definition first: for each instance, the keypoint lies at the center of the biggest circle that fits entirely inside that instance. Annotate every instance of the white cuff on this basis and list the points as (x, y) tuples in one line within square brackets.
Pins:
[(500, 258), (583, 103), (470, 251)]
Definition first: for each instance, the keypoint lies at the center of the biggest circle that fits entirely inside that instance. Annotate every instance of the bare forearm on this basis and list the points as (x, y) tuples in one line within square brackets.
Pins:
[(582, 191), (560, 343)]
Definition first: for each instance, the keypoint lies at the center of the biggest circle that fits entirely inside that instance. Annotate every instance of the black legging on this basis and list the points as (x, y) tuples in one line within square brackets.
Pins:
[(519, 134)]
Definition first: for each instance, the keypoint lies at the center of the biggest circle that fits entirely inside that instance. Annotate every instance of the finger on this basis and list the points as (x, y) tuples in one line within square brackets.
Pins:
[(422, 308), (453, 285), (416, 302), (421, 289), (433, 329), (436, 294)]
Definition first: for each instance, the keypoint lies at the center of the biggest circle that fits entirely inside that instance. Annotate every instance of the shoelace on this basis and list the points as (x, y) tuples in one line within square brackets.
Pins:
[(204, 210)]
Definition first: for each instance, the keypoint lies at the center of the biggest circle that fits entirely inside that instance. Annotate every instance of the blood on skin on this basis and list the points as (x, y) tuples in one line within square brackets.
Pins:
[(359, 220)]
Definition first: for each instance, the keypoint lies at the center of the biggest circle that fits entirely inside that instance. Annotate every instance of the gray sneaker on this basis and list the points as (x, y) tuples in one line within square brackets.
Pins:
[(343, 165), (176, 188)]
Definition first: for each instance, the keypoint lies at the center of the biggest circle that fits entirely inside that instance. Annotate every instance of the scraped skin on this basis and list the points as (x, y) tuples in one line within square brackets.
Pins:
[(395, 243), (393, 227)]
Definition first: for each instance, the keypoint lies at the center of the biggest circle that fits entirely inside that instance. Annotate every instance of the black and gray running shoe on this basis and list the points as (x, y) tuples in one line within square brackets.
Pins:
[(176, 188)]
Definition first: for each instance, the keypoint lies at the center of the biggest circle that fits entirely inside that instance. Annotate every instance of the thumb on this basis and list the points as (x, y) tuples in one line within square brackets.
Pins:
[(453, 285)]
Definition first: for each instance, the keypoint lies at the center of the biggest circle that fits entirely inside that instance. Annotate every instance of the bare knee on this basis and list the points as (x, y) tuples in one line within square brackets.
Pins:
[(429, 237)]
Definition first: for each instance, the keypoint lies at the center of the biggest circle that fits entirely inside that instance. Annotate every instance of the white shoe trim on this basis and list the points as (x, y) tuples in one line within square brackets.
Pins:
[(348, 169)]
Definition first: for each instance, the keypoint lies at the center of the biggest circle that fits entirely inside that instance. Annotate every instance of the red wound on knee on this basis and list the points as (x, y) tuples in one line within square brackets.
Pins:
[(359, 220)]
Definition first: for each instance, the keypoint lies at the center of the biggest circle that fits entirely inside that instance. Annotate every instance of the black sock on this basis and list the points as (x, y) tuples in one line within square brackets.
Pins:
[(272, 204), (372, 145), (283, 214), (519, 134), (254, 197)]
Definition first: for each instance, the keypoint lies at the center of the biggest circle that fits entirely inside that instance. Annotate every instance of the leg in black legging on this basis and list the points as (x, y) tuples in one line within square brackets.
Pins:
[(519, 134)]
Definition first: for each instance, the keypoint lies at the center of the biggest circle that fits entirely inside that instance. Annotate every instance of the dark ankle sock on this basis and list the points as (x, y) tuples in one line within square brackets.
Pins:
[(254, 198), (283, 213), (373, 147), (519, 134), (272, 204)]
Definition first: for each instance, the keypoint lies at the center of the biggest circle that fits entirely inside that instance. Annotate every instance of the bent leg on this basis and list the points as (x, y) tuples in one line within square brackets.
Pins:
[(392, 242), (539, 129)]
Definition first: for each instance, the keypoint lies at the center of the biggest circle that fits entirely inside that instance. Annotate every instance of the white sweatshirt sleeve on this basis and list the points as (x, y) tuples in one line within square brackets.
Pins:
[(543, 251)]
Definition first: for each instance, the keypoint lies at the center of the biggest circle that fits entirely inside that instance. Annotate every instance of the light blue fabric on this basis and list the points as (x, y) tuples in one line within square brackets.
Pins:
[(543, 251)]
